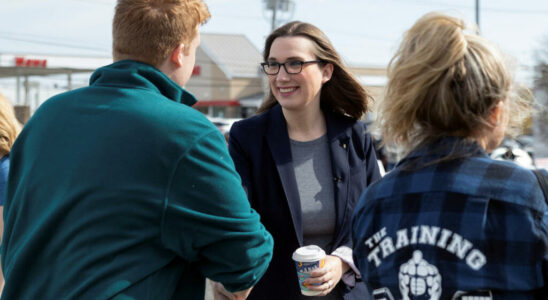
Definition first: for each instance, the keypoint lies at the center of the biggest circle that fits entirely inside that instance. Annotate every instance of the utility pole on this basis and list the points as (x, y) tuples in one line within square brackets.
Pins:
[(478, 15), (278, 7), (274, 10)]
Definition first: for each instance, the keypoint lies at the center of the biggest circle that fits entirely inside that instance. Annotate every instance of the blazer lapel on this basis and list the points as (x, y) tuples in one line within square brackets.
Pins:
[(339, 143), (278, 142)]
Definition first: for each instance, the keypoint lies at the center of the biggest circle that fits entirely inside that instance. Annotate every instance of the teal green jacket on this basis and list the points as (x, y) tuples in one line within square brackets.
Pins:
[(121, 190)]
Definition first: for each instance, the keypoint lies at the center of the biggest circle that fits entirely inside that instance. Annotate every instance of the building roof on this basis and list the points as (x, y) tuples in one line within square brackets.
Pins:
[(233, 53)]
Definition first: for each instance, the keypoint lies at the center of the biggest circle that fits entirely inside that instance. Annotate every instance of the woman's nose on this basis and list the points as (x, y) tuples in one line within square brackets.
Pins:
[(282, 74)]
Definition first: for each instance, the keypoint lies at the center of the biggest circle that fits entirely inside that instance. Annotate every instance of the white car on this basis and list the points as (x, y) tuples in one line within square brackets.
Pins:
[(513, 150), (223, 124)]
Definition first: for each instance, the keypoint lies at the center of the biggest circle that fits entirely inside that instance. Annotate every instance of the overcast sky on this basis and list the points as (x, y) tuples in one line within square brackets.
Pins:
[(365, 32)]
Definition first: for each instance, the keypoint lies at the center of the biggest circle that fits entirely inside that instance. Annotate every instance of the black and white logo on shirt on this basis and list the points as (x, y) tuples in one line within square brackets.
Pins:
[(417, 278)]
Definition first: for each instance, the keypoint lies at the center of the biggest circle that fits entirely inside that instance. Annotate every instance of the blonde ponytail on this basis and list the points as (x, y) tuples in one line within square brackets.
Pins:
[(443, 81)]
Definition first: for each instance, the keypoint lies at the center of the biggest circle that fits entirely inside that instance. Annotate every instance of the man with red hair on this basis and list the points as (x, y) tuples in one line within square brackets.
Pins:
[(121, 190)]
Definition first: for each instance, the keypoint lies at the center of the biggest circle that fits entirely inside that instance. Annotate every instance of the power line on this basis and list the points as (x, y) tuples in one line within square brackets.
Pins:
[(516, 11), (109, 3), (238, 17), (471, 7), (50, 43), (357, 36)]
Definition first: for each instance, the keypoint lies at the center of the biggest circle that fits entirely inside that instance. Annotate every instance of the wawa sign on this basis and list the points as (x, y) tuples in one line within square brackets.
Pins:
[(30, 63)]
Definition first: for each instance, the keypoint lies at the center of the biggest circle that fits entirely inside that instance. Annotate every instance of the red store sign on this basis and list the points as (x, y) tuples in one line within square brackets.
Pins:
[(32, 63), (196, 71)]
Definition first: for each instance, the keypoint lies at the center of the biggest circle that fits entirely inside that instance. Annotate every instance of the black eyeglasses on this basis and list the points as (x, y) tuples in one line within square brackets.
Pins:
[(291, 67)]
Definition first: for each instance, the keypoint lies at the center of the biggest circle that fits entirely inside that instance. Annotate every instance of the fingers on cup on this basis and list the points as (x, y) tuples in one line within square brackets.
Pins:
[(319, 272), (316, 283), (326, 287)]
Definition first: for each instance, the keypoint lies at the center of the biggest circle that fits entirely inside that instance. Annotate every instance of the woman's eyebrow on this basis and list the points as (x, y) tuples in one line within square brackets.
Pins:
[(287, 59)]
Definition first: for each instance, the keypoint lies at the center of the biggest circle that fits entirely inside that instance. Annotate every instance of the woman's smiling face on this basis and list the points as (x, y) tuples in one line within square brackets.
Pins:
[(297, 91)]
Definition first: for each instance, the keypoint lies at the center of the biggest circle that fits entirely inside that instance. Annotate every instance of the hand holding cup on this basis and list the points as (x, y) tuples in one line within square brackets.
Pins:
[(325, 279)]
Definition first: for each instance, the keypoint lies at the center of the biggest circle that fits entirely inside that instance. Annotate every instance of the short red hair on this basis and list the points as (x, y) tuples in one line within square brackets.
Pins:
[(148, 30)]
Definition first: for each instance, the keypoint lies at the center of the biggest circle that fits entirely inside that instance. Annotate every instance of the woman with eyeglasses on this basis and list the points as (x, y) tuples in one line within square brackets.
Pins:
[(304, 161)]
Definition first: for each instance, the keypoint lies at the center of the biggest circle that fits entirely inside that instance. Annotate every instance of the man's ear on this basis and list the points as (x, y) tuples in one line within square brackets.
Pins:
[(177, 54)]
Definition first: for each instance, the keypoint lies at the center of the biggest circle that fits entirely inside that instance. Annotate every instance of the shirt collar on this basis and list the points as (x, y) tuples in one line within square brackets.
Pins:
[(445, 147), (134, 74)]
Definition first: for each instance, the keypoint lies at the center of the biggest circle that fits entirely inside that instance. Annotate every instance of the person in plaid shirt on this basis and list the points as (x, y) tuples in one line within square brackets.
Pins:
[(449, 222)]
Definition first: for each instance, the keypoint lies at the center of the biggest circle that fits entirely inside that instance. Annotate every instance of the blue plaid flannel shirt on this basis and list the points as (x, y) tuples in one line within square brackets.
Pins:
[(459, 229)]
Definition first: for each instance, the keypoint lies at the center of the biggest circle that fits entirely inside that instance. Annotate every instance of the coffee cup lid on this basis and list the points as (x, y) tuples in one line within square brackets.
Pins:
[(308, 253)]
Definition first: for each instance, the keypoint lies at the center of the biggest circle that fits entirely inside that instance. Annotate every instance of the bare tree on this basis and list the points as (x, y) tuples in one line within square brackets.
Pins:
[(540, 123)]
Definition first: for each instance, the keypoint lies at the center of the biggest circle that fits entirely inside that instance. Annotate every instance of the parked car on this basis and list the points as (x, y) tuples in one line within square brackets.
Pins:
[(223, 124), (518, 150)]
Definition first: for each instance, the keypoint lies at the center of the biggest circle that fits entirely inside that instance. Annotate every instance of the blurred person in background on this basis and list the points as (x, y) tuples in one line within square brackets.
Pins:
[(121, 190), (305, 159), (449, 222), (9, 129)]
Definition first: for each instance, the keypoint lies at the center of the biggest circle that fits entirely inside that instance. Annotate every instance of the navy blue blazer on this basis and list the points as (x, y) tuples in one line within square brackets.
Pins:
[(261, 152)]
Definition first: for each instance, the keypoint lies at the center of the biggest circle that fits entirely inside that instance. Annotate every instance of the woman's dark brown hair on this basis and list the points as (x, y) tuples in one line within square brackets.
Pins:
[(343, 94)]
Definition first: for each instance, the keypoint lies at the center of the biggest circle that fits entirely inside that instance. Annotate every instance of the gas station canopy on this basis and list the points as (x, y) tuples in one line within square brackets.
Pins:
[(13, 71)]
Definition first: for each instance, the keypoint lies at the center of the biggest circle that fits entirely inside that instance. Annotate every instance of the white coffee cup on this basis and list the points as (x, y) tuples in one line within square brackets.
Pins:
[(307, 259)]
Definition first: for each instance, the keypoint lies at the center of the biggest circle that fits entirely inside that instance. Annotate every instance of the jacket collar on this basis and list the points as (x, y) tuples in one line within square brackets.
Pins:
[(449, 146), (278, 142), (338, 133), (134, 74), (445, 146), (337, 128)]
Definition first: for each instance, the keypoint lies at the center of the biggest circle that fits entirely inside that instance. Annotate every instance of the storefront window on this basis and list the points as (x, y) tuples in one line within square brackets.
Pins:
[(218, 112)]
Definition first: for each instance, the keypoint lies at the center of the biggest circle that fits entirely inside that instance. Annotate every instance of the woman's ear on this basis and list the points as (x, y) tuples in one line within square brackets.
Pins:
[(490, 138), (327, 72), (497, 113)]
